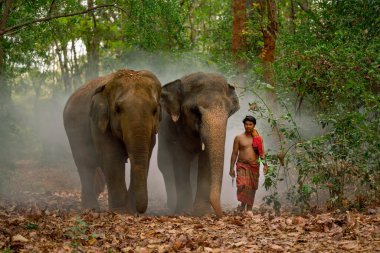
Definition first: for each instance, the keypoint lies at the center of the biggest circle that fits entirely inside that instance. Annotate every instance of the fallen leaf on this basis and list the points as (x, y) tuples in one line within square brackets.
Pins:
[(19, 238), (239, 244), (349, 245), (92, 241), (275, 248)]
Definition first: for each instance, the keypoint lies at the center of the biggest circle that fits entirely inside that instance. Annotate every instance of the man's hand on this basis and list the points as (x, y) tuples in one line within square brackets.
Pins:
[(232, 173), (265, 169)]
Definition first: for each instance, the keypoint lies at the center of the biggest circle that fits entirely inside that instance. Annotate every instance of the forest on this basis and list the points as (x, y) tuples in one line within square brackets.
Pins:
[(308, 70)]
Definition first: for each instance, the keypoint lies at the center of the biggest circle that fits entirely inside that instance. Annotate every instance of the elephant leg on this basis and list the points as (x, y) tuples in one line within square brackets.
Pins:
[(165, 164), (112, 158), (202, 204), (100, 181), (182, 162), (86, 162), (114, 171)]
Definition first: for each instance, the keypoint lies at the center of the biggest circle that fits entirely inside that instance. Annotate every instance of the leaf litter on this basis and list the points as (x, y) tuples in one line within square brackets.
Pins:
[(52, 221)]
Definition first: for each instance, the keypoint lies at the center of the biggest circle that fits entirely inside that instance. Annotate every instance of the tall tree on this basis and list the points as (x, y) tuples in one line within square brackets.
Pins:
[(92, 45), (61, 50), (5, 10), (268, 9), (292, 16), (239, 45)]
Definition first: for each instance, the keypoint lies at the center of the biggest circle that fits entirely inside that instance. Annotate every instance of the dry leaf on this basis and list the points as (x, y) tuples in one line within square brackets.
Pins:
[(275, 248), (19, 238), (349, 246)]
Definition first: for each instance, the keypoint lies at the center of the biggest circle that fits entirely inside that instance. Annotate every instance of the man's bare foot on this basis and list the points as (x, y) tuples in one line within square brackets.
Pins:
[(240, 208), (249, 213)]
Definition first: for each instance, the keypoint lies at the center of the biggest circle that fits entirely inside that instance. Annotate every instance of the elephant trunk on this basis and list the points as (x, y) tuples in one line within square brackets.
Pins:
[(138, 147), (140, 177), (213, 137)]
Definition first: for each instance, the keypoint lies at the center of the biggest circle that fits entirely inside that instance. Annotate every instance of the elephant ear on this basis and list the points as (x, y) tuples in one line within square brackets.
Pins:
[(99, 111), (171, 99), (231, 93)]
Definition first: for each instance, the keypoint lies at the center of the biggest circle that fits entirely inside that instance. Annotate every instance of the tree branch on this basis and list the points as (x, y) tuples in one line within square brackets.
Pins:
[(16, 27), (5, 14), (52, 5)]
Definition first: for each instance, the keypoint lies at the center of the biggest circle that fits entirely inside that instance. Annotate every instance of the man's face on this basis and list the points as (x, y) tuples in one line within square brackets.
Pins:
[(249, 126)]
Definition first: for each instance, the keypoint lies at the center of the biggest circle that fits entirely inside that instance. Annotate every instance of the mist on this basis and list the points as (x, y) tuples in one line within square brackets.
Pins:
[(43, 119)]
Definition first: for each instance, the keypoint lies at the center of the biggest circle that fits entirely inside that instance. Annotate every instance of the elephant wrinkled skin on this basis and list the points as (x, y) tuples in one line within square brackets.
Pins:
[(107, 121), (194, 122)]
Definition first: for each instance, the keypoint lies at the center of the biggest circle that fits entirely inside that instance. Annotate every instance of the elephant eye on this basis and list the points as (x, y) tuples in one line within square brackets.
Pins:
[(155, 111), (117, 108), (196, 112)]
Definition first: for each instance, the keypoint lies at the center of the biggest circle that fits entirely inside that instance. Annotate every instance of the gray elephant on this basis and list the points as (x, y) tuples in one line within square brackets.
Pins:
[(194, 122), (107, 121)]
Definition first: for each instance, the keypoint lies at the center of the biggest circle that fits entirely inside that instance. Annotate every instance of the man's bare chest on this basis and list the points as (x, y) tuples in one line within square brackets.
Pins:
[(245, 143)]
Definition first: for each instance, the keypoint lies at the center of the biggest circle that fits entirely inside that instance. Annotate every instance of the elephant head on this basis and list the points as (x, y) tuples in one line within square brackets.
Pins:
[(125, 113), (200, 105)]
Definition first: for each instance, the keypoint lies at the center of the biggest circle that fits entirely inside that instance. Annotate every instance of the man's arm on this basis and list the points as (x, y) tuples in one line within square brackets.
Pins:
[(234, 155)]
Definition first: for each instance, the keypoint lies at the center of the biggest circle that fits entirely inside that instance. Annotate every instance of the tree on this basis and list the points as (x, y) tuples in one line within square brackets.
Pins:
[(5, 10), (92, 42), (268, 9), (239, 43)]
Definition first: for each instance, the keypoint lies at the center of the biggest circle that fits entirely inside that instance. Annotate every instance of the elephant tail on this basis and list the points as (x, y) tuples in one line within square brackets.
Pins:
[(100, 181)]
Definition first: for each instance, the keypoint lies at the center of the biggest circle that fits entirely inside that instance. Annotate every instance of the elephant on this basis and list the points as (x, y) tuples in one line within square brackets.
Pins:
[(195, 112), (109, 120)]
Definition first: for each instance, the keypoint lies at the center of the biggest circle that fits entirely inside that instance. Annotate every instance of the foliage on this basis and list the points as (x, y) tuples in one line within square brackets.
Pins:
[(332, 62), (79, 233), (333, 57)]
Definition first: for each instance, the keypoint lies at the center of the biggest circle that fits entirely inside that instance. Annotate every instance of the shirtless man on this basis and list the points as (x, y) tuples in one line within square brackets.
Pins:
[(247, 149)]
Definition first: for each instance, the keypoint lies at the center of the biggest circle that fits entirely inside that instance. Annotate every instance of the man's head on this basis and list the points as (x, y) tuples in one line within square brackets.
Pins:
[(249, 118), (249, 123)]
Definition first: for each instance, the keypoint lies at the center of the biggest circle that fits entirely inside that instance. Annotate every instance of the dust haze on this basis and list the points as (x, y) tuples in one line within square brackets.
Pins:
[(49, 151)]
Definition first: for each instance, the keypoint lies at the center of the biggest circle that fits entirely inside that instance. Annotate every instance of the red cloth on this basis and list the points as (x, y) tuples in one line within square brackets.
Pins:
[(258, 146), (247, 180)]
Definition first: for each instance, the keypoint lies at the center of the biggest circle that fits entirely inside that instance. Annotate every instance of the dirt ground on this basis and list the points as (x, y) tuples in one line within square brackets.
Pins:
[(40, 212)]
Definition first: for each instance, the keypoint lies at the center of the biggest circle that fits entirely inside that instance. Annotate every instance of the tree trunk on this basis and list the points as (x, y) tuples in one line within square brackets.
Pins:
[(5, 101), (304, 4), (2, 70), (5, 9), (61, 49), (269, 30), (269, 34), (5, 93), (75, 66), (239, 43), (92, 47), (193, 31), (292, 16)]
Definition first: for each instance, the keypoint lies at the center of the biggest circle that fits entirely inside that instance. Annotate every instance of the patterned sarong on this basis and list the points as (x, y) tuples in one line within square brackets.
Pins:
[(247, 180)]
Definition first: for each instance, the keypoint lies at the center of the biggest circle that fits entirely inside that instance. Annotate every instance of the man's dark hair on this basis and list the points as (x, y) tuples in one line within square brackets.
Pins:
[(249, 118)]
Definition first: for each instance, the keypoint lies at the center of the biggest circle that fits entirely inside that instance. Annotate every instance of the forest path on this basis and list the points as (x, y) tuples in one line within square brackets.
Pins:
[(46, 217)]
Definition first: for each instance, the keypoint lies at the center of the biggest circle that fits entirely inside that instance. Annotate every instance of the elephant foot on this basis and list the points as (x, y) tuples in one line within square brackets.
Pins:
[(171, 205), (120, 210), (202, 208), (91, 205), (188, 210), (184, 212), (91, 208)]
